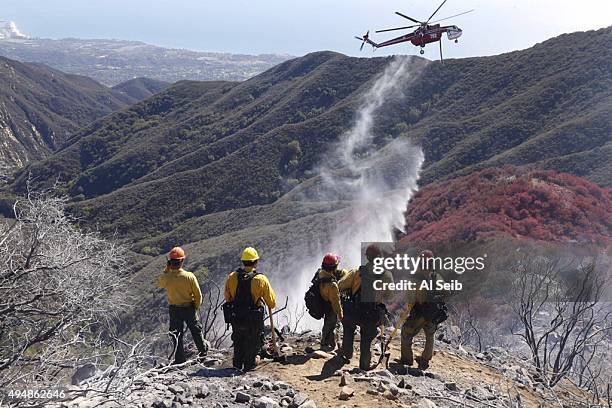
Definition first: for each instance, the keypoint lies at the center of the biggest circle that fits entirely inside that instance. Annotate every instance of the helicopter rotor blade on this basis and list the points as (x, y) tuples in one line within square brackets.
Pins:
[(409, 18), (399, 28), (434, 13), (363, 39), (362, 42), (446, 18)]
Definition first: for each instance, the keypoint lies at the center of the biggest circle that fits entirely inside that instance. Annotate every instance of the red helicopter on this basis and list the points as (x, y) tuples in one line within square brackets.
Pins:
[(425, 33)]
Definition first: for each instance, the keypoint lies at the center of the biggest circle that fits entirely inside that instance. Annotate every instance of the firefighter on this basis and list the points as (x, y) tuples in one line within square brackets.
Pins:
[(184, 299), (364, 307), (427, 313), (329, 275), (248, 291)]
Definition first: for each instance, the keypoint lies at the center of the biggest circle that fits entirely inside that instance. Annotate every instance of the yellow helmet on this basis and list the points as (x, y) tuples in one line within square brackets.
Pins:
[(249, 254)]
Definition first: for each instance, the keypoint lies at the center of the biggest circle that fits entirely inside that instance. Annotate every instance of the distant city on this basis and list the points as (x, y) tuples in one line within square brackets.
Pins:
[(111, 62)]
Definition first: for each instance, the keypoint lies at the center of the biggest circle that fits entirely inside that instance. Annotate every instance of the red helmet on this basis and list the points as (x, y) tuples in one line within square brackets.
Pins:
[(372, 252), (427, 254), (176, 253), (330, 259)]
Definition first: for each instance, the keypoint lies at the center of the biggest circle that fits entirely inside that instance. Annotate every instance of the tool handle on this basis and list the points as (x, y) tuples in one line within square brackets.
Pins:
[(274, 345)]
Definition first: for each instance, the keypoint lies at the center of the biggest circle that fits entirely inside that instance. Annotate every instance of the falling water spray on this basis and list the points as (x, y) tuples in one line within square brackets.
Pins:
[(374, 182)]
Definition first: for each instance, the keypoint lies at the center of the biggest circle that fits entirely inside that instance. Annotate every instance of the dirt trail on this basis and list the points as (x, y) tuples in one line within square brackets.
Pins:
[(315, 377)]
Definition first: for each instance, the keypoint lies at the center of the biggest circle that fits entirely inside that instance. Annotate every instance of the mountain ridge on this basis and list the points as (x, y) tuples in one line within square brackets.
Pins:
[(466, 114), (41, 107)]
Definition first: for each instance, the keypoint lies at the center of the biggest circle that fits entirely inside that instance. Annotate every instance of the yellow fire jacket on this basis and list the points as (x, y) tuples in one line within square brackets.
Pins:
[(422, 295), (352, 282), (330, 292), (261, 290), (182, 287)]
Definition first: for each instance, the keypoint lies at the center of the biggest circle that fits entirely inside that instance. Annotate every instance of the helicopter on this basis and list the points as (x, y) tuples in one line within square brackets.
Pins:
[(425, 33)]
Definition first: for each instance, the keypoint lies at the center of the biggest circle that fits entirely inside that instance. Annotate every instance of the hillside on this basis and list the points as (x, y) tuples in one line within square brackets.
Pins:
[(538, 205), (141, 88), (40, 107), (535, 106), (309, 378), (114, 61)]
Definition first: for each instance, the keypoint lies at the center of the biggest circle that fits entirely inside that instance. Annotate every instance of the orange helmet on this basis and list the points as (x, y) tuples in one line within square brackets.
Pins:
[(176, 253)]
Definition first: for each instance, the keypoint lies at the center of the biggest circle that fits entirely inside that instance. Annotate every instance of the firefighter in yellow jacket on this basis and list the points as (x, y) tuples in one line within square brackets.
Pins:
[(427, 313), (365, 307), (184, 299), (329, 275), (247, 291)]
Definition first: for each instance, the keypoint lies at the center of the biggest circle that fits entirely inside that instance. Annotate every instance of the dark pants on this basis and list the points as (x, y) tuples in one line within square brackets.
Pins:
[(179, 316), (328, 334), (368, 331), (248, 341)]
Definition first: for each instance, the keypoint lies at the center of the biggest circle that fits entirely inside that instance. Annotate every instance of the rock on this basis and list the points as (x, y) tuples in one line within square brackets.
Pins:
[(299, 399), (382, 387), (242, 397), (264, 402), (345, 379), (372, 392), (161, 387), (430, 375), (451, 386), (426, 403), (320, 354), (309, 350), (159, 404), (281, 385), (201, 391), (175, 389), (286, 349), (309, 404), (497, 350), (384, 373), (83, 373), (478, 392), (267, 386), (257, 383), (389, 395), (393, 389), (290, 393), (345, 393), (211, 362)]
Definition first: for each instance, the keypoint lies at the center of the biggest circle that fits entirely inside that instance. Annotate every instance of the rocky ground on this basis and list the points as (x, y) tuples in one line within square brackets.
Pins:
[(308, 378)]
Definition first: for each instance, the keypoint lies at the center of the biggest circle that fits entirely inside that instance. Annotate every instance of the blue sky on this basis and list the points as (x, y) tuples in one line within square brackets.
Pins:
[(297, 27)]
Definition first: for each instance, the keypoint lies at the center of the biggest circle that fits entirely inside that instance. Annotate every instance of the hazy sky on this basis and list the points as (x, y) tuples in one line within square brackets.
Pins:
[(299, 26)]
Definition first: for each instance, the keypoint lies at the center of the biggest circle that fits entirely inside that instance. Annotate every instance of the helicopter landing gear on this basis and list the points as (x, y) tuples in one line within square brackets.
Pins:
[(422, 51)]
